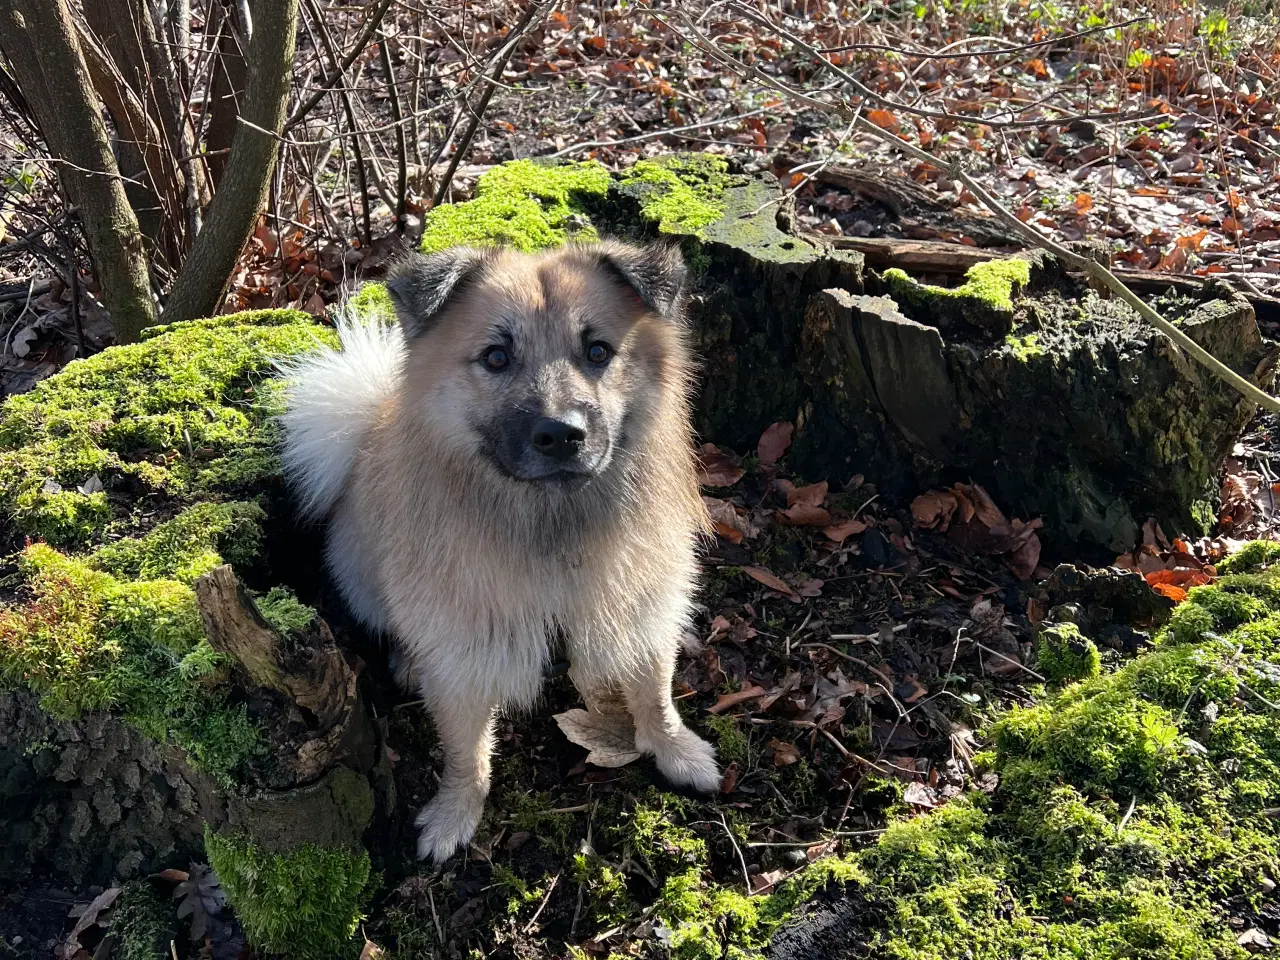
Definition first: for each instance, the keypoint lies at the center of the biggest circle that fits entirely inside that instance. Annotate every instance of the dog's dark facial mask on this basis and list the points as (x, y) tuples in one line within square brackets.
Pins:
[(553, 361)]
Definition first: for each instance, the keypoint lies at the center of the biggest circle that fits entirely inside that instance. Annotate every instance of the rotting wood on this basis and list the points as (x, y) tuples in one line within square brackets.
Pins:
[(313, 674)]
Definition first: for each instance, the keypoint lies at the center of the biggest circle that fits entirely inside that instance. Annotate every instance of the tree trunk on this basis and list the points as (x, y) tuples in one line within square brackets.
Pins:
[(38, 38), (226, 91), (203, 279)]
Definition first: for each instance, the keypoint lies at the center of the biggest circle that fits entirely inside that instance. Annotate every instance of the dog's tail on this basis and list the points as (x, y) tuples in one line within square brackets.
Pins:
[(332, 399)]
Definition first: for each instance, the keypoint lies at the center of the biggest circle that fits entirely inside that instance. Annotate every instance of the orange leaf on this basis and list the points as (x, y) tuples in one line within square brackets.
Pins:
[(596, 44), (1176, 594), (883, 119), (1038, 68), (761, 575), (1084, 202)]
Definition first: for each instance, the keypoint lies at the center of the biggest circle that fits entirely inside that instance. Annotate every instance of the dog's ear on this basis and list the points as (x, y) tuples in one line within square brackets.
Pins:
[(420, 285), (655, 272)]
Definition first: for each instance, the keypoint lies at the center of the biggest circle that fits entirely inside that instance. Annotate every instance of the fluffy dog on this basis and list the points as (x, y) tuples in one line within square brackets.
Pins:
[(507, 474)]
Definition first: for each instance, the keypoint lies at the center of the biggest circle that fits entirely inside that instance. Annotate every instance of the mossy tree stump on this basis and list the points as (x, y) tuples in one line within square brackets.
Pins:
[(151, 704)]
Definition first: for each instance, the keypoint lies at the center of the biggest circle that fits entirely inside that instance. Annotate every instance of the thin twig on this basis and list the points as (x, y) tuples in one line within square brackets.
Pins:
[(532, 15), (402, 151), (339, 71), (1012, 48), (528, 927), (742, 861)]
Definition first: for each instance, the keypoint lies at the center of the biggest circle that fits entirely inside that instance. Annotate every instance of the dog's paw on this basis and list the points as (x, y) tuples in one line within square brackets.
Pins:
[(688, 761), (448, 823)]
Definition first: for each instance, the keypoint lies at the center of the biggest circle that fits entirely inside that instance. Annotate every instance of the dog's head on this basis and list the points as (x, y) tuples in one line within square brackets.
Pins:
[(548, 366)]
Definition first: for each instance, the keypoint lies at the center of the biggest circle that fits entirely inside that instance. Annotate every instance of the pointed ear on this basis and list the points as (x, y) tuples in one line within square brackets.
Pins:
[(420, 286), (655, 272)]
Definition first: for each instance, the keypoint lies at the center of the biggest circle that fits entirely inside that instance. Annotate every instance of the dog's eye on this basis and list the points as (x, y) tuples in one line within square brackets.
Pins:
[(599, 353), (496, 358)]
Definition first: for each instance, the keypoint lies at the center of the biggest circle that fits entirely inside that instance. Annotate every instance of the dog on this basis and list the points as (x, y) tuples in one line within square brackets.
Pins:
[(509, 474)]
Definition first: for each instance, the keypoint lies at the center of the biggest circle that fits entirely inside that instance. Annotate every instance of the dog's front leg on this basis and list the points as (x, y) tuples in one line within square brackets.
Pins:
[(464, 725), (683, 757)]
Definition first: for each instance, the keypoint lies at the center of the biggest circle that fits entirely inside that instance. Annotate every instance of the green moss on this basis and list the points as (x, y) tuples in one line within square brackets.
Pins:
[(304, 905), (372, 302), (1025, 347), (1063, 653), (1251, 557), (604, 888), (731, 744), (985, 299), (86, 640), (142, 924), (193, 543), (521, 204), (684, 192), (179, 429), (1130, 805), (284, 611), (185, 414)]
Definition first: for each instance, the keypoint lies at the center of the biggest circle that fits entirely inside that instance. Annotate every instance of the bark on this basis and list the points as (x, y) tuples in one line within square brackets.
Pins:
[(159, 198), (38, 38), (203, 279)]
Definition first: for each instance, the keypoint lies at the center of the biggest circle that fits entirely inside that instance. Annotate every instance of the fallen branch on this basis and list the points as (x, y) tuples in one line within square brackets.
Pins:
[(955, 169)]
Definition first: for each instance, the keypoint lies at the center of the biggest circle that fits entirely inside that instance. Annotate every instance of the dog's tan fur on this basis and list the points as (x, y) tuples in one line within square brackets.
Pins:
[(477, 574)]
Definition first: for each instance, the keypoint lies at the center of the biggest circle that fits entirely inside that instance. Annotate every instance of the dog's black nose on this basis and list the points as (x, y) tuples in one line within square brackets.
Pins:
[(557, 439)]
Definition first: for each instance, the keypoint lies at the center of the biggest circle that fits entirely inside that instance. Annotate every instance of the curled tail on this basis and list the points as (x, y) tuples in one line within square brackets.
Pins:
[(332, 400)]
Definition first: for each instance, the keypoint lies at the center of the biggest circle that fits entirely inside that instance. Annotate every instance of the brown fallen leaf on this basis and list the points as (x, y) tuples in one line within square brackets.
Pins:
[(717, 469), (774, 442), (811, 588), (1024, 560), (89, 918), (372, 951), (919, 795), (764, 880), (761, 575), (802, 515), (724, 519), (729, 782), (812, 495), (172, 875), (784, 754), (840, 532), (934, 509), (986, 509), (727, 701), (610, 738)]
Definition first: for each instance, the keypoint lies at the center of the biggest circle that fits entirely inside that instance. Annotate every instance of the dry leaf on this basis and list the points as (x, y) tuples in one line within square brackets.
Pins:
[(727, 701), (610, 738), (812, 495), (1084, 203), (761, 575), (729, 782), (774, 442), (934, 509), (811, 588), (841, 531), (725, 519), (919, 795), (86, 920), (717, 469), (802, 515), (372, 951), (883, 119), (761, 882), (784, 754)]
